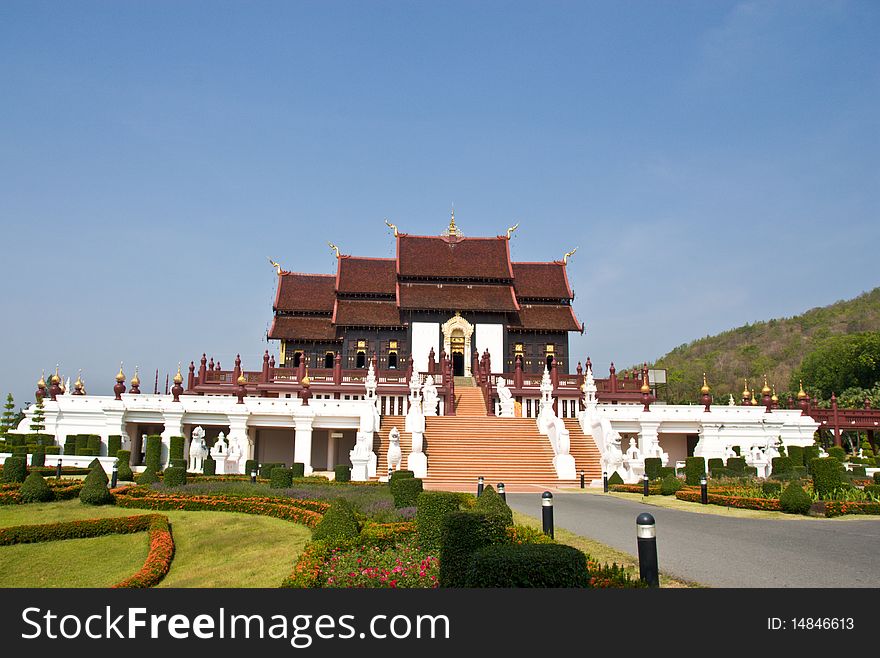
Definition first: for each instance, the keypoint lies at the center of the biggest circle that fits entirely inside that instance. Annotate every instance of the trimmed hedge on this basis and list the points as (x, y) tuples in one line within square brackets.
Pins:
[(38, 457), (175, 476), (250, 466), (340, 522), (431, 508), (810, 453), (177, 463), (281, 478), (795, 500), (796, 454), (93, 442), (124, 460), (94, 491), (714, 462), (669, 485), (114, 444), (877, 477), (491, 502), (35, 489), (266, 469), (153, 459), (694, 470), (342, 472), (175, 450), (858, 472), (666, 471), (838, 453), (771, 487), (397, 475), (462, 535), (299, 469), (209, 466), (828, 475), (147, 477), (653, 465), (736, 464), (782, 465), (15, 469), (528, 565), (406, 491)]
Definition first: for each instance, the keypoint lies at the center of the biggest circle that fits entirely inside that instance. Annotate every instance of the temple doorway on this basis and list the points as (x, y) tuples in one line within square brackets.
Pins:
[(458, 364)]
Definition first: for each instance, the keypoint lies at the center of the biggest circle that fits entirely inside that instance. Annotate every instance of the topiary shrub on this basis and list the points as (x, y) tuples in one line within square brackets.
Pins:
[(250, 466), (266, 469), (615, 479), (736, 464), (794, 500), (431, 508), (858, 472), (714, 462), (796, 454), (114, 444), (153, 459), (175, 448), (124, 463), (838, 453), (666, 471), (299, 469), (398, 475), (38, 457), (15, 469), (491, 502), (782, 465), (339, 524), (462, 535), (52, 450), (82, 441), (828, 475), (175, 476), (877, 477), (86, 452), (527, 565), (35, 489), (771, 487), (694, 470), (721, 472), (281, 478), (93, 443), (177, 463), (147, 477), (95, 491), (669, 485), (653, 465), (405, 492), (209, 466), (342, 472)]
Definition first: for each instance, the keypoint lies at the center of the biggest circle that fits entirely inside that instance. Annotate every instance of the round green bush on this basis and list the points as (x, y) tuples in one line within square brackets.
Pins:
[(95, 491), (124, 463), (491, 502), (462, 535), (15, 469), (147, 477), (431, 507), (175, 476), (837, 453), (528, 565), (406, 492), (343, 473), (340, 523), (794, 500), (669, 485), (35, 489), (209, 466), (281, 478)]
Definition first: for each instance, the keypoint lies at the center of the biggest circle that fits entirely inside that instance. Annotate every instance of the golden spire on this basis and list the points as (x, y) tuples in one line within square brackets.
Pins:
[(55, 379), (705, 388), (568, 255), (746, 394), (276, 265), (306, 382), (452, 230), (766, 389), (120, 376), (754, 399), (135, 381), (645, 387), (802, 394), (334, 248), (774, 397), (78, 384), (391, 226), (42, 381), (511, 229), (242, 380), (178, 378)]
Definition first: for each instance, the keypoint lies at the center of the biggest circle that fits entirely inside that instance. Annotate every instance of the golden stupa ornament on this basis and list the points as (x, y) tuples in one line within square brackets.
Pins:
[(705, 388), (393, 227), (802, 394), (78, 384), (774, 397), (135, 381), (746, 394), (452, 230), (754, 399), (306, 382), (42, 381), (56, 378), (645, 387), (766, 389), (242, 380), (178, 378), (120, 376)]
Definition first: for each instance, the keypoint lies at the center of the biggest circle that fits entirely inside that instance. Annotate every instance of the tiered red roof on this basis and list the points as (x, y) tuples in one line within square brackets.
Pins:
[(456, 297), (358, 313), (366, 275), (442, 257), (302, 328), (544, 317), (305, 292), (541, 281)]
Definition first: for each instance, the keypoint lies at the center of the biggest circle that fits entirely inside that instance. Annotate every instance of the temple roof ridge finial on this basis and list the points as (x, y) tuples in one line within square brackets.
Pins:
[(392, 227), (452, 230), (276, 265), (334, 248), (568, 255)]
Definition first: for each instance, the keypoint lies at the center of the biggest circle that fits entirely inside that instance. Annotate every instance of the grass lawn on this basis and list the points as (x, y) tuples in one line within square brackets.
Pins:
[(598, 551), (212, 549)]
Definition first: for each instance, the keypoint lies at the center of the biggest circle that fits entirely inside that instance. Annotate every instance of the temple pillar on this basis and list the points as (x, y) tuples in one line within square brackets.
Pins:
[(648, 435), (173, 420), (239, 438), (302, 446)]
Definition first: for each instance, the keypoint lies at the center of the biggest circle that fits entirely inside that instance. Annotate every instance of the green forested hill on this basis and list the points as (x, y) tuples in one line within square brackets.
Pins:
[(775, 348)]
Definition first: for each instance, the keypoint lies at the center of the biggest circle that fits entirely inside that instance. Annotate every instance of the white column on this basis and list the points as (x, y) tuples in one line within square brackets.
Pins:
[(331, 450), (238, 437), (647, 434), (114, 422), (302, 444), (173, 420)]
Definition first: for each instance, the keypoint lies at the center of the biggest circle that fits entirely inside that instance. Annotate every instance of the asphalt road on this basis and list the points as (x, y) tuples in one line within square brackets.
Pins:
[(720, 551)]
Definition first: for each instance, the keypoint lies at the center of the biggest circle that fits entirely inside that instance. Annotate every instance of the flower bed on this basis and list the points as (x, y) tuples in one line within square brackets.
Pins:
[(841, 507), (653, 489), (158, 560), (727, 500), (307, 512), (63, 490)]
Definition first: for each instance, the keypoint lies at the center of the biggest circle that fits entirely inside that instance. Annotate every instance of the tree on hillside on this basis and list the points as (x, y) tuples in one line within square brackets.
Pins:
[(38, 420), (839, 363), (7, 421)]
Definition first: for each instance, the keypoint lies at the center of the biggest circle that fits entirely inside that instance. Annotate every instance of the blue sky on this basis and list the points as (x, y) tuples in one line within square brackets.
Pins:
[(716, 162)]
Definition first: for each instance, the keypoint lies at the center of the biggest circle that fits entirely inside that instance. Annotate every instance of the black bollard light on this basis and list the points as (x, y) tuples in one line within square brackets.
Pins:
[(479, 486), (501, 492), (547, 513), (646, 536), (704, 491), (645, 483), (114, 476), (582, 478), (605, 481), (58, 469), (253, 477)]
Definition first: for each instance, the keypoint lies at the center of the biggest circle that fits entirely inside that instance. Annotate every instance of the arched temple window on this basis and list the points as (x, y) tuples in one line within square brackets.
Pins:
[(361, 361), (328, 359), (550, 351), (297, 357), (392, 360)]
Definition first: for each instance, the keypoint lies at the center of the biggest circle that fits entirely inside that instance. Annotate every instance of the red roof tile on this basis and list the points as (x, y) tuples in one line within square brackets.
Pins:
[(547, 318), (457, 297), (366, 275), (541, 280), (291, 328), (366, 314), (305, 292), (485, 258)]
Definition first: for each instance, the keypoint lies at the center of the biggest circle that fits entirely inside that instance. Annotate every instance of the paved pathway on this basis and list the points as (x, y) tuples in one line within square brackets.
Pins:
[(721, 551)]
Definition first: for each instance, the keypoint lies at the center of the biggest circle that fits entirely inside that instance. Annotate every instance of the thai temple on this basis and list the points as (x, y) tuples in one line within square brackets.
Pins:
[(450, 359)]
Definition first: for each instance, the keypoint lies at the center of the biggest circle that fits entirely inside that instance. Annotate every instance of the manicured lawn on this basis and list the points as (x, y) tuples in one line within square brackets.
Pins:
[(96, 562), (212, 549)]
